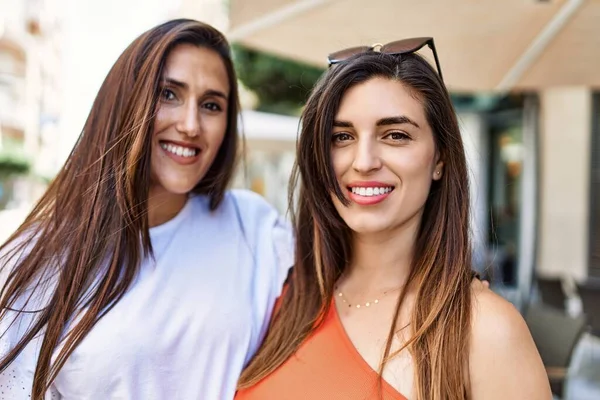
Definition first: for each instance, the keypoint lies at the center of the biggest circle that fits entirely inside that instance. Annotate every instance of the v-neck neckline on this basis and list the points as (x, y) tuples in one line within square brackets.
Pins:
[(387, 387)]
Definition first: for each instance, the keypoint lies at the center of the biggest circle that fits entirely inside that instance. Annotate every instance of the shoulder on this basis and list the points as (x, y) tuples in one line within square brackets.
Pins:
[(504, 361), (252, 209), (248, 199), (265, 227), (256, 214), (492, 315), (243, 202)]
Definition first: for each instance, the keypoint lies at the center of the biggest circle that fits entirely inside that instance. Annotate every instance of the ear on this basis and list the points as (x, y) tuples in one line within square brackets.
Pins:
[(438, 171)]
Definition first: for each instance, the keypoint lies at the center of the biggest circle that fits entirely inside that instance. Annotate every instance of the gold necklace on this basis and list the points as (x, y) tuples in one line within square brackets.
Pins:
[(367, 304)]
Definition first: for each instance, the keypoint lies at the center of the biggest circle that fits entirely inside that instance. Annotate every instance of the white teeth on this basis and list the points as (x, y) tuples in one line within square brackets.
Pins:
[(179, 150), (371, 191)]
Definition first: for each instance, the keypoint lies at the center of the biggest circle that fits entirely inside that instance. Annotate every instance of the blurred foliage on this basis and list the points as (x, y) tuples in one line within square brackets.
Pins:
[(12, 166), (487, 102), (13, 160), (282, 86)]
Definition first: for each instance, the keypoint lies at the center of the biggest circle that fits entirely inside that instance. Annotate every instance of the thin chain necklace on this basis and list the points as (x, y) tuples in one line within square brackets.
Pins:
[(367, 304)]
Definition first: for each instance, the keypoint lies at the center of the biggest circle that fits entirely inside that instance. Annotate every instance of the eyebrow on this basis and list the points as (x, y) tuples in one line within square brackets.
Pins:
[(183, 85), (397, 120)]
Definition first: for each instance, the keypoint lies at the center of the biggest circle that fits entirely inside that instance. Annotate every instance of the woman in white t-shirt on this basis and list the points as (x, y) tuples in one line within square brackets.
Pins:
[(138, 275)]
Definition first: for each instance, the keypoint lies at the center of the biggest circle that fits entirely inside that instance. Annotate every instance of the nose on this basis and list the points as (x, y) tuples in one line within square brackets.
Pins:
[(366, 157), (189, 120)]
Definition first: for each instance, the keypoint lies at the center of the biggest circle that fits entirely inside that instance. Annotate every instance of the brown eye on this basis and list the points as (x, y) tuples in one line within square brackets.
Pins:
[(341, 137), (168, 95), (211, 106), (398, 136)]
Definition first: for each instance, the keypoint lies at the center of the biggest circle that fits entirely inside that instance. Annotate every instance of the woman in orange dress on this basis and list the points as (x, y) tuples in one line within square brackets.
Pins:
[(381, 302)]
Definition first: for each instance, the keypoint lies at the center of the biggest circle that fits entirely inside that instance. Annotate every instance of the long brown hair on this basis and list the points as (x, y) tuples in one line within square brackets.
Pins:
[(89, 232), (440, 320)]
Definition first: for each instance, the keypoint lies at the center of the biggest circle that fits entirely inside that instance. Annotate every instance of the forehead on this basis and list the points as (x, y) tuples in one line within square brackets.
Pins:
[(195, 65), (379, 98)]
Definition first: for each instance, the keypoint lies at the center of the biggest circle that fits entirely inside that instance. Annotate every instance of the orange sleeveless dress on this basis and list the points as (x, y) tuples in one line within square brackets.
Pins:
[(326, 366)]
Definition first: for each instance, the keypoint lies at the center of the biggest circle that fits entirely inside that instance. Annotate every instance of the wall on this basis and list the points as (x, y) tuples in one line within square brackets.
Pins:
[(565, 135)]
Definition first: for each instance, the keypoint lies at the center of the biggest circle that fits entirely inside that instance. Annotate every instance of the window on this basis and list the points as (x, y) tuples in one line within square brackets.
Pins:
[(505, 200)]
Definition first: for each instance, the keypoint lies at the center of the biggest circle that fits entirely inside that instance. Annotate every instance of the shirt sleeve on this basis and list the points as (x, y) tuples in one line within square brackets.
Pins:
[(270, 239), (269, 234), (283, 242)]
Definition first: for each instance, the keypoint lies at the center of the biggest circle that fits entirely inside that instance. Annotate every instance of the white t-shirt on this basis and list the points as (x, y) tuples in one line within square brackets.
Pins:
[(191, 320)]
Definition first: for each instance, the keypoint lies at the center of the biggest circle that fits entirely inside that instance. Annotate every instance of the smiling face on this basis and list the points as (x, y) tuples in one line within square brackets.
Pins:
[(384, 156), (191, 119)]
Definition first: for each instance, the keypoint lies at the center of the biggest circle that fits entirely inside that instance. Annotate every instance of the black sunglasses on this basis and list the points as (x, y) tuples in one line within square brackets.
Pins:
[(399, 47)]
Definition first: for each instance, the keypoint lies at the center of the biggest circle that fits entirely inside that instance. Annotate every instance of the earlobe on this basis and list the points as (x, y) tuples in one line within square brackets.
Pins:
[(438, 171)]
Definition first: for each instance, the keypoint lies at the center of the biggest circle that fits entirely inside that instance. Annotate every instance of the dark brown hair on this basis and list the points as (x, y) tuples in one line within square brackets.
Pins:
[(441, 274), (84, 234)]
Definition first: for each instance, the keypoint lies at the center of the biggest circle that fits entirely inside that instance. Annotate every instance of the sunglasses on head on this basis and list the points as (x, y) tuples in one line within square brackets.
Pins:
[(399, 47)]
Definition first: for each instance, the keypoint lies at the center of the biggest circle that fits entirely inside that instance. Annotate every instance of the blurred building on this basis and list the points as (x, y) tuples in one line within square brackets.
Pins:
[(270, 147), (30, 79)]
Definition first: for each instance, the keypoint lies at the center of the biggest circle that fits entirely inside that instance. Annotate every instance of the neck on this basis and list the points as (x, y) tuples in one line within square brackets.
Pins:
[(383, 260), (163, 206)]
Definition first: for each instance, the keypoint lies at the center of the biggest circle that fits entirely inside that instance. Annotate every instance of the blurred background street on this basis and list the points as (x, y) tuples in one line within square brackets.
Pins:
[(524, 77)]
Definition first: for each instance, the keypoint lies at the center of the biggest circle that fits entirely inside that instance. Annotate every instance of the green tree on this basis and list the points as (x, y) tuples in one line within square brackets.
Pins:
[(282, 86), (13, 160)]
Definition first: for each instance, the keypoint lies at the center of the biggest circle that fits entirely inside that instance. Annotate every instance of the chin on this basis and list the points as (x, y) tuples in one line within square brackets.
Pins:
[(178, 188), (181, 189), (367, 227)]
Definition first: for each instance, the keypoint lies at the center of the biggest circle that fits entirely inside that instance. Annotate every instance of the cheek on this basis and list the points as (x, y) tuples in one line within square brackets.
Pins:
[(162, 119), (344, 212), (341, 160), (418, 170), (417, 178), (215, 130), (413, 165), (155, 165)]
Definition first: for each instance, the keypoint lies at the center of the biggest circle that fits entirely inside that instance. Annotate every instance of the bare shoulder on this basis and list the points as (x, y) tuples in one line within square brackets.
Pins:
[(493, 317), (504, 362)]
